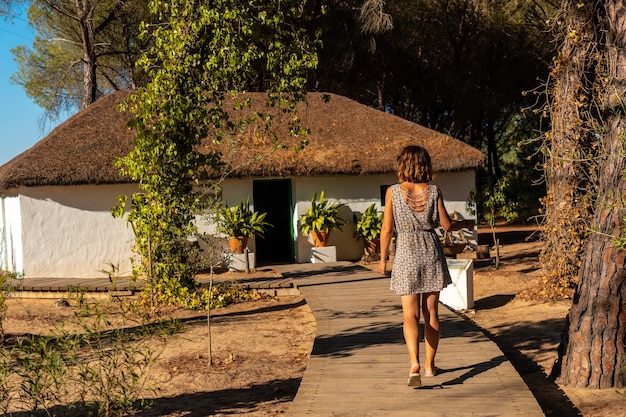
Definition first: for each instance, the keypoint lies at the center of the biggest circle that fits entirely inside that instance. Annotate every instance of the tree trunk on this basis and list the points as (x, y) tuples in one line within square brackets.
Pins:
[(85, 13), (492, 151), (570, 180), (595, 354)]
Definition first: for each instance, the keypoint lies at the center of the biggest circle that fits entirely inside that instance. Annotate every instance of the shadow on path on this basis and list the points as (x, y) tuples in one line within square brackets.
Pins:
[(550, 397), (473, 370)]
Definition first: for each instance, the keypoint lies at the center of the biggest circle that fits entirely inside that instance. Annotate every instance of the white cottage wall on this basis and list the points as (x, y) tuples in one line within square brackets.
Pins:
[(11, 258), (357, 193), (455, 187), (69, 232)]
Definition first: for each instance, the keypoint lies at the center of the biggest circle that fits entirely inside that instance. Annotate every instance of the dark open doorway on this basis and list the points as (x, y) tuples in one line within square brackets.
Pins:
[(274, 198)]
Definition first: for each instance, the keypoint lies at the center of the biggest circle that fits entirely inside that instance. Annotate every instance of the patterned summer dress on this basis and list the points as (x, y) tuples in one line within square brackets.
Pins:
[(419, 265)]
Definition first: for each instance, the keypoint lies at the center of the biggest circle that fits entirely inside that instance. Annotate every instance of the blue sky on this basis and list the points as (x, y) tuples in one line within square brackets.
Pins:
[(20, 117)]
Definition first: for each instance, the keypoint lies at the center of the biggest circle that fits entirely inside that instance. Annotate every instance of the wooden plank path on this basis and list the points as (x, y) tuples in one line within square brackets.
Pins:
[(58, 287), (359, 364)]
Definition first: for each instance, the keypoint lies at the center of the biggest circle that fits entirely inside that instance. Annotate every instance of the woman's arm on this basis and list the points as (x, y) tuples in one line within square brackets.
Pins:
[(444, 218), (386, 233)]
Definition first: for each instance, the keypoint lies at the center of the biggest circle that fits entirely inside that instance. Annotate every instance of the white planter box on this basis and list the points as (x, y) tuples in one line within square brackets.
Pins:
[(460, 294), (324, 254), (237, 261)]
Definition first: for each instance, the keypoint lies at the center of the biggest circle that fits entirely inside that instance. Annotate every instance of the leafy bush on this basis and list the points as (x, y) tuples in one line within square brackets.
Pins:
[(241, 221), (322, 216), (87, 364), (369, 224)]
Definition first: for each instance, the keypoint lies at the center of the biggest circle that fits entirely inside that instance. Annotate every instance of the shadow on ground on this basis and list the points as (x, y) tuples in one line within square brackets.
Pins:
[(516, 338)]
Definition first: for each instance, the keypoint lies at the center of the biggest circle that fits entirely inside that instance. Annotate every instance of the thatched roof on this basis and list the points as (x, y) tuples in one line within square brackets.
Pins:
[(81, 150), (347, 138)]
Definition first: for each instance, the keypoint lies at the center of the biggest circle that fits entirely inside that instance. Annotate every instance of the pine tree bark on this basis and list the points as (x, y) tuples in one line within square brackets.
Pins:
[(570, 144), (85, 10), (595, 353)]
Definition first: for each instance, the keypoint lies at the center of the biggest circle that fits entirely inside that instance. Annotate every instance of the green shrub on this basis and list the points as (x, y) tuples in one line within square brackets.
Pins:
[(322, 216), (87, 363), (369, 224), (241, 221)]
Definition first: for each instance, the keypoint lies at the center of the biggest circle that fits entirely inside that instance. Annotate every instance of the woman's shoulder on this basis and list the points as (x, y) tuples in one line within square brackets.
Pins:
[(435, 190), (393, 187), (392, 190)]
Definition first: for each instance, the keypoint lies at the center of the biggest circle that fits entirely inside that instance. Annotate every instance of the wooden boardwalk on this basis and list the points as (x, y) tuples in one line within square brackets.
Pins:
[(358, 366)]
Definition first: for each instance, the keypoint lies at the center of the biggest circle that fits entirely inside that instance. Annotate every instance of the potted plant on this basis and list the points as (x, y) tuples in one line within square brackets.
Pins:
[(320, 219), (239, 223), (368, 227)]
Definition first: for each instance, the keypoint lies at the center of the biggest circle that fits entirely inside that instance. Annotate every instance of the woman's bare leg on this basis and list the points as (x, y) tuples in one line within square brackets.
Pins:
[(430, 308), (411, 329)]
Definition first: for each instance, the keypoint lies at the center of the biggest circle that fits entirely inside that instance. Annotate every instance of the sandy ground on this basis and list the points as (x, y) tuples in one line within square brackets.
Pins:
[(529, 332), (260, 348)]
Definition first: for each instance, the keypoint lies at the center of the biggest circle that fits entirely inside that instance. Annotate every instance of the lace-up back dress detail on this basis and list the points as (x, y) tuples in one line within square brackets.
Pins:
[(419, 265)]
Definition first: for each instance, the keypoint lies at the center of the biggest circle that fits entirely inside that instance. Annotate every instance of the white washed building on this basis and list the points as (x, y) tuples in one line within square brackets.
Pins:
[(56, 197)]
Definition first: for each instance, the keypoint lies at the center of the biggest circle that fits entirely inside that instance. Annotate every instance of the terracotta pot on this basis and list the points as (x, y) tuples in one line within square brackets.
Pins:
[(371, 252), (372, 247), (238, 243), (320, 238)]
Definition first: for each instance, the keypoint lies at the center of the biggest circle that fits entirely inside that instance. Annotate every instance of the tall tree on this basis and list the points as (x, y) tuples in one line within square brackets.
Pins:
[(457, 66), (203, 51), (585, 169), (571, 148), (83, 50), (7, 7)]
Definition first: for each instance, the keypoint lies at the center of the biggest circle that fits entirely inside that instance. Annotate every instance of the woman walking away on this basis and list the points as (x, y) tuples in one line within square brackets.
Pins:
[(415, 208)]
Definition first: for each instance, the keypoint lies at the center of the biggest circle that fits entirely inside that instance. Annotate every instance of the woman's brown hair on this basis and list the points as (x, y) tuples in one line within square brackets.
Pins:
[(414, 165)]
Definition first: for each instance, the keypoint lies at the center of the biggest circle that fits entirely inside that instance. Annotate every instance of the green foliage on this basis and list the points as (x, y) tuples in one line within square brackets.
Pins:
[(111, 364), (41, 366), (6, 381), (369, 224), (241, 221), (321, 216), (494, 203), (201, 298), (5, 357), (201, 53), (91, 364), (520, 164), (6, 288), (82, 50), (226, 293), (87, 364)]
